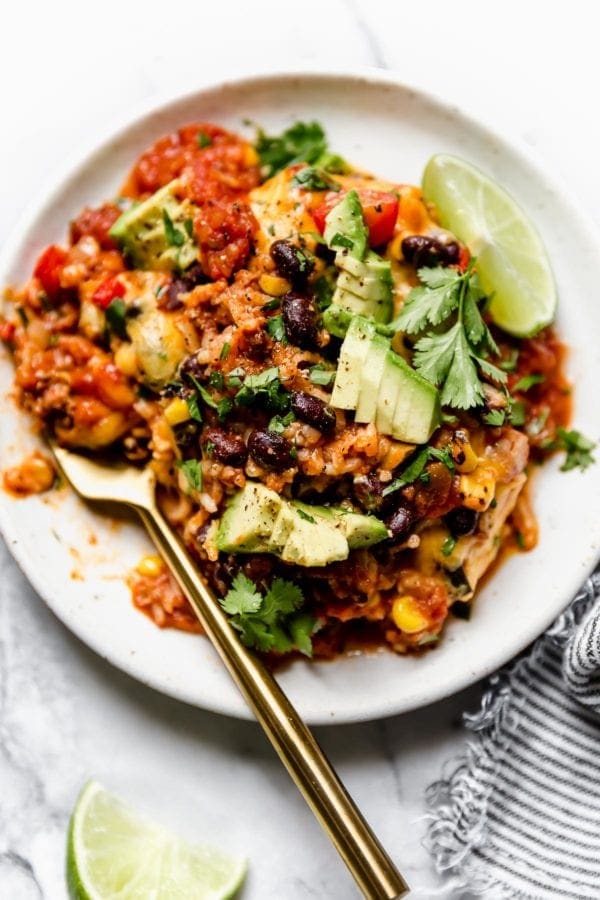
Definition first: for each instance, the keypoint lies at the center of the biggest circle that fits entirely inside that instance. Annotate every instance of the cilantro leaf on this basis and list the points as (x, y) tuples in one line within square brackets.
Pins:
[(416, 468), (203, 139), (194, 407), (320, 374), (273, 621), (448, 545), (524, 384), (452, 358), (175, 237), (495, 417), (578, 449), (242, 597), (276, 329), (192, 469), (301, 142), (115, 317), (313, 179), (446, 359), (266, 389), (517, 412), (432, 303)]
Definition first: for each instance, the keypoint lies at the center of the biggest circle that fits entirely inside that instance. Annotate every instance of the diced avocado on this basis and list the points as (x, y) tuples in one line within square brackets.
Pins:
[(362, 531), (407, 404), (249, 520), (359, 530), (158, 232), (345, 220), (314, 542), (366, 408), (337, 320), (350, 365)]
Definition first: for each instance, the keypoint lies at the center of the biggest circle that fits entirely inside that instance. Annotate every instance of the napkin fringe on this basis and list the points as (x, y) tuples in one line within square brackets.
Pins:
[(458, 823)]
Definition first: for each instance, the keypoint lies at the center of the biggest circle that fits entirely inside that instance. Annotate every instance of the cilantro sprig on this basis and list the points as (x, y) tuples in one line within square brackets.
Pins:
[(416, 468), (301, 142), (577, 447), (272, 621), (311, 178), (455, 356)]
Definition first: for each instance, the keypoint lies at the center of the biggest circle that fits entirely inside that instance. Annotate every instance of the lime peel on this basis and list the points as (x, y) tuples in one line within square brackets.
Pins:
[(511, 259)]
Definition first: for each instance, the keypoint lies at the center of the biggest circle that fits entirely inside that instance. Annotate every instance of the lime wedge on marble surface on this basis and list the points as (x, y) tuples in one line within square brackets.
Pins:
[(112, 852), (511, 258)]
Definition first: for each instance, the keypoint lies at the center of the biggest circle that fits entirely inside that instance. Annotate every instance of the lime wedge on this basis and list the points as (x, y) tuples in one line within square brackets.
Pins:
[(112, 853), (511, 259)]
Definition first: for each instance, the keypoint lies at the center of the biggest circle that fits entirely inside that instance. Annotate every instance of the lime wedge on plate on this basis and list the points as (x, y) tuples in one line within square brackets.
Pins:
[(112, 853), (511, 259)]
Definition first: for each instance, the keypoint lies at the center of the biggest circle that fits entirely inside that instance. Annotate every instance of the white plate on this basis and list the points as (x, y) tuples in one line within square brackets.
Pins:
[(77, 560)]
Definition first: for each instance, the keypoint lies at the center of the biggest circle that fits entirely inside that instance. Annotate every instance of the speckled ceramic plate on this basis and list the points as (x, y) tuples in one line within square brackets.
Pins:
[(77, 560)]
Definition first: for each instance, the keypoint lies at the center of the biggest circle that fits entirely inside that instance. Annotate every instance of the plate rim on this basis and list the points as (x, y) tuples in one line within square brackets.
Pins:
[(58, 182)]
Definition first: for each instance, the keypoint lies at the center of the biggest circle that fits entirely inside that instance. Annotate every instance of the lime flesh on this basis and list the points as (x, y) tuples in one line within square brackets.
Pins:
[(511, 259), (113, 853)]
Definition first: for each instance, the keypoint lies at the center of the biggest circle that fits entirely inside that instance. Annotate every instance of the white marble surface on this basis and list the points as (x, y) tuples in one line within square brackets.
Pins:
[(65, 715)]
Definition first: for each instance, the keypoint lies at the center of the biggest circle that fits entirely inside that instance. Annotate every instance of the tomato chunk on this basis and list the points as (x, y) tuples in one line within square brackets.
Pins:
[(48, 268), (380, 212), (106, 292)]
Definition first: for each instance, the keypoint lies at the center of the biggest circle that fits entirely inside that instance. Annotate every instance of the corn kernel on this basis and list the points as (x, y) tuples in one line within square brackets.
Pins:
[(273, 285), (126, 359), (476, 490), (250, 155), (465, 458), (395, 246), (177, 411), (150, 566), (407, 616)]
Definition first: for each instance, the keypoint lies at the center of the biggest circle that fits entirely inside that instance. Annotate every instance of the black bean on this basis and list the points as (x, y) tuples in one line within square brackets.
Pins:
[(368, 491), (193, 276), (169, 298), (299, 320), (227, 447), (191, 367), (186, 435), (401, 523), (325, 253), (461, 521), (313, 411), (424, 250), (292, 262), (270, 450)]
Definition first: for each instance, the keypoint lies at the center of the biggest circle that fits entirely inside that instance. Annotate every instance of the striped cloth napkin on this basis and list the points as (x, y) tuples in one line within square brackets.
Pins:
[(519, 815)]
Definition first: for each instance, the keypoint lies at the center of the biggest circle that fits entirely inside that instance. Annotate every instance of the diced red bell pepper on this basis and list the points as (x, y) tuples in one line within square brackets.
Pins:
[(7, 330), (107, 291), (380, 212), (48, 268)]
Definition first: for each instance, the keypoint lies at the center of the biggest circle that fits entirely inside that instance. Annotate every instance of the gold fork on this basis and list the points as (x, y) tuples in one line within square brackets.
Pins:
[(366, 859)]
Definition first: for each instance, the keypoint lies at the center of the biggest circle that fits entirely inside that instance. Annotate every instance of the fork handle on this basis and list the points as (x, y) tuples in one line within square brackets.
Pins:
[(371, 867)]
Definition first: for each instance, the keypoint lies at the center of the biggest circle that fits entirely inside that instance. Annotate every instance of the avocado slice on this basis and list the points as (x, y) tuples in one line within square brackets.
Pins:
[(336, 319), (313, 541), (364, 286), (248, 522), (408, 405), (358, 529), (382, 388), (346, 220), (350, 365), (158, 232), (362, 531), (366, 407)]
